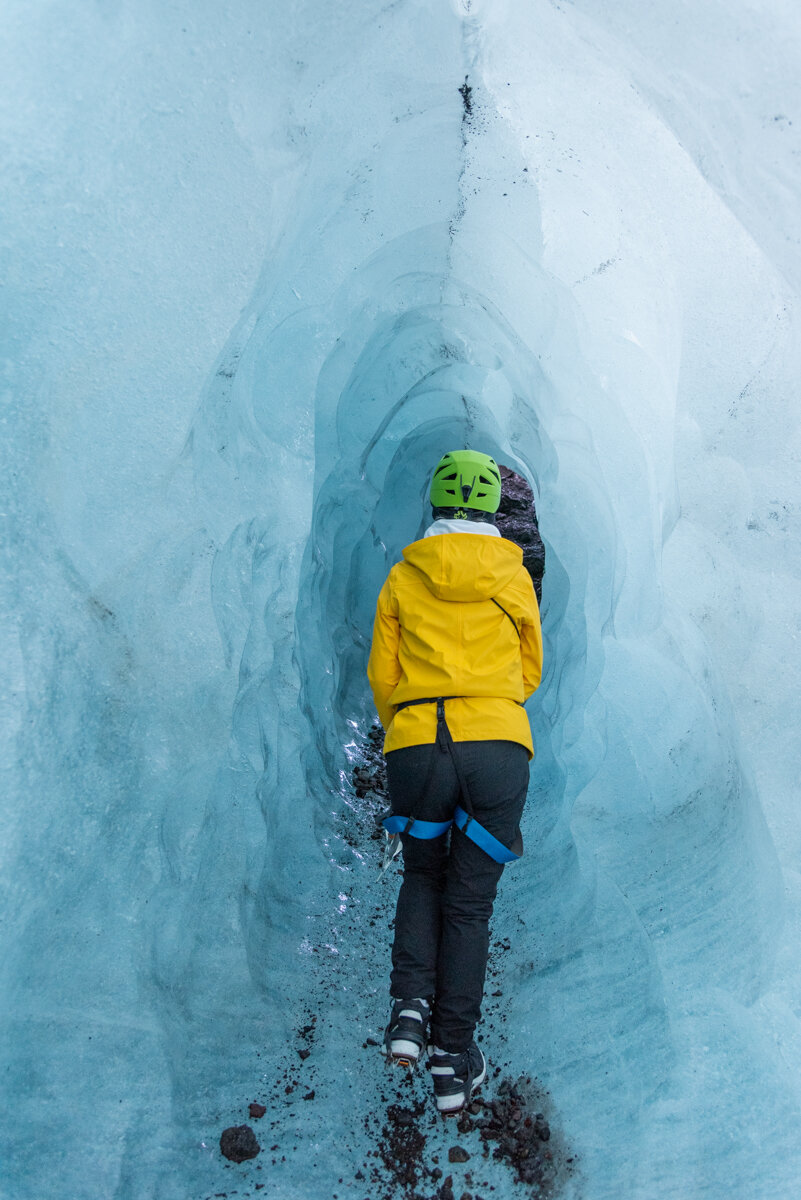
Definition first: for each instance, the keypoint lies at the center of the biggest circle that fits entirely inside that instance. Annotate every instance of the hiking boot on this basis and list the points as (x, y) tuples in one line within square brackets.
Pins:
[(456, 1076), (405, 1035)]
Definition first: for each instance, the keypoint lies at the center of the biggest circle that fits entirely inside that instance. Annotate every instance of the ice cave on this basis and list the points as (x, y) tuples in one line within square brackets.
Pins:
[(261, 265)]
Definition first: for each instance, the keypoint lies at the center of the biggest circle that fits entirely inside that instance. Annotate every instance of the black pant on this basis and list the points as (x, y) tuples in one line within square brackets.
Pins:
[(449, 885)]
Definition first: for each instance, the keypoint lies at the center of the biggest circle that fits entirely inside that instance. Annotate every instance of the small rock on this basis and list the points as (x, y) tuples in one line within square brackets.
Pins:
[(436, 1173), (238, 1143), (309, 1095), (457, 1154), (256, 1110), (304, 1054), (446, 1191)]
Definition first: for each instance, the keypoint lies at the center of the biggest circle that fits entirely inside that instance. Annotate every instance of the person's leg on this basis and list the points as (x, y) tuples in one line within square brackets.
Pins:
[(414, 949), (427, 789), (497, 775), (472, 882)]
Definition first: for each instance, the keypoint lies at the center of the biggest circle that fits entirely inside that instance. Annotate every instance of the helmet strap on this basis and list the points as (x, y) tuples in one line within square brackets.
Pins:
[(463, 514)]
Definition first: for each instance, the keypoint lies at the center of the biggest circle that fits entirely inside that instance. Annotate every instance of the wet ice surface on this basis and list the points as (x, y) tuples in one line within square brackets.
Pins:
[(261, 271), (388, 1140)]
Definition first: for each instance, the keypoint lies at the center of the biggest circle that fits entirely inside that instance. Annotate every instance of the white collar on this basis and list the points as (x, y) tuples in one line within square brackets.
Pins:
[(453, 526)]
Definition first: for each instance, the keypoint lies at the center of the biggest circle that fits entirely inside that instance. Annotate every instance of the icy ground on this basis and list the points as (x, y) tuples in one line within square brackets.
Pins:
[(261, 265)]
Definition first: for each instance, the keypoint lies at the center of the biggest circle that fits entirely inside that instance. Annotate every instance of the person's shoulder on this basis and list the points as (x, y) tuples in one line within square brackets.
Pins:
[(404, 572), (522, 582), (400, 572)]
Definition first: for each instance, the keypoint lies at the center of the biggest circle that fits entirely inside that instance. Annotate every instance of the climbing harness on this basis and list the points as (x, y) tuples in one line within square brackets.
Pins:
[(462, 818)]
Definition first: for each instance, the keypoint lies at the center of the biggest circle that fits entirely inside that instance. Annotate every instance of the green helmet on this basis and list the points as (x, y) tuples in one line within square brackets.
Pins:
[(466, 479)]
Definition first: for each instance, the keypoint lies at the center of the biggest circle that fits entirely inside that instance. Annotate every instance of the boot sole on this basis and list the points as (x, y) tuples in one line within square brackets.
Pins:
[(401, 1053)]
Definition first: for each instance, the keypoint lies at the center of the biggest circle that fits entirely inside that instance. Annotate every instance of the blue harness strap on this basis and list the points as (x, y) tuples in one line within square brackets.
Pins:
[(415, 828), (471, 828)]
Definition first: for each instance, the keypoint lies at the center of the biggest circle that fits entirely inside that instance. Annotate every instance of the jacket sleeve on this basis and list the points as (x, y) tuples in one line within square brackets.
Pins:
[(383, 667), (531, 647)]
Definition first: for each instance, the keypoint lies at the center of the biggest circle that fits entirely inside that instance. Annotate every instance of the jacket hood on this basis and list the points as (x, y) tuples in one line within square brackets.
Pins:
[(464, 567)]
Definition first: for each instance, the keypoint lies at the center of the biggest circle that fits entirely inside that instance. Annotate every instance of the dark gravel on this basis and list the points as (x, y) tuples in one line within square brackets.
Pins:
[(238, 1143)]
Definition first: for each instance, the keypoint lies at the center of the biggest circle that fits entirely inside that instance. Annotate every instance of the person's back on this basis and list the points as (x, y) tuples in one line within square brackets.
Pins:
[(457, 648)]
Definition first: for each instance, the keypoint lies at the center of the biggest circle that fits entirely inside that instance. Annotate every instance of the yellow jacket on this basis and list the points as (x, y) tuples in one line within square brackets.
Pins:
[(437, 632)]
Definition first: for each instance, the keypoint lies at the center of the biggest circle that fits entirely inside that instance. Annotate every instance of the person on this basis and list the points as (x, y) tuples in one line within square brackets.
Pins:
[(456, 650)]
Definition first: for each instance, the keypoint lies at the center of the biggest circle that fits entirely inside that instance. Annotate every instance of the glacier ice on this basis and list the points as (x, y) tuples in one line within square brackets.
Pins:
[(260, 271)]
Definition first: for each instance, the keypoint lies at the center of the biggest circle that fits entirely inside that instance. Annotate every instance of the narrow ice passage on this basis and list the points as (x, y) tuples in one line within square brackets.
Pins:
[(558, 265)]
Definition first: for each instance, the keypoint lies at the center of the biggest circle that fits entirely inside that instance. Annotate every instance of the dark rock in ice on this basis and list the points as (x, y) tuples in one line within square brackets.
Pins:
[(446, 1191), (238, 1143), (517, 520), (256, 1110), (457, 1154), (541, 1128), (369, 778), (401, 1145), (513, 1137)]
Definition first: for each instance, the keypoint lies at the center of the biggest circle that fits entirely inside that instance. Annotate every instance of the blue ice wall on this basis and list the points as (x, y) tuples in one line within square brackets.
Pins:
[(261, 271)]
